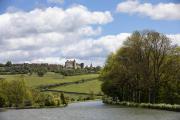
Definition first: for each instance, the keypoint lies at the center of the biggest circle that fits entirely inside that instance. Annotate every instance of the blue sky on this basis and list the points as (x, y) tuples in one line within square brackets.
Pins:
[(122, 22), (120, 19)]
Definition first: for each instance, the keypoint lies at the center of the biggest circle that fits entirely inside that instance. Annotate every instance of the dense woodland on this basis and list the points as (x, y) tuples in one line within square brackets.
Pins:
[(145, 69)]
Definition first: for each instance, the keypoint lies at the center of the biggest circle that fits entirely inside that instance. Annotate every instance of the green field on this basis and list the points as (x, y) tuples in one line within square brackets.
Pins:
[(87, 87), (49, 78), (53, 78)]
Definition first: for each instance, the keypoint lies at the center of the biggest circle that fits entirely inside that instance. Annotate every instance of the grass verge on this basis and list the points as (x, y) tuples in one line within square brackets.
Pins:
[(161, 106)]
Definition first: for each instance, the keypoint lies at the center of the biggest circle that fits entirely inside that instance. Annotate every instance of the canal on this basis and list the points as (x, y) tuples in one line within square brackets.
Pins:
[(94, 110)]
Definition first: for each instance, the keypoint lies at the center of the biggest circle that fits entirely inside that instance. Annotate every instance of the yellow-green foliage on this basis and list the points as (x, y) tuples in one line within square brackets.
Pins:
[(15, 93)]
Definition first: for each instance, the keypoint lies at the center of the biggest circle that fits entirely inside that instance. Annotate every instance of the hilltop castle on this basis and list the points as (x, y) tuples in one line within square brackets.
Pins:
[(73, 65)]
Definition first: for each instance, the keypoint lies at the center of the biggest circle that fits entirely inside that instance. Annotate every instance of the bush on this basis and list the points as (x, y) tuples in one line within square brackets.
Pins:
[(27, 103), (92, 96), (63, 100), (40, 73), (80, 98), (72, 99), (49, 100), (3, 100)]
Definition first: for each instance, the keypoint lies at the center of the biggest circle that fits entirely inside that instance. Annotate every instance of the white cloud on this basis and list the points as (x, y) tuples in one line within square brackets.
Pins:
[(55, 1), (53, 35), (45, 34), (54, 60), (161, 11), (100, 47), (94, 50), (50, 20), (175, 38)]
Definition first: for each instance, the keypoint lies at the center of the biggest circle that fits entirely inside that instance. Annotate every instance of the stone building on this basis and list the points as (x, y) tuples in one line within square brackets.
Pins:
[(71, 64)]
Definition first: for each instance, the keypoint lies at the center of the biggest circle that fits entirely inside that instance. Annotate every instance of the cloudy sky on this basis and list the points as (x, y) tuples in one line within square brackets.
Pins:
[(52, 31)]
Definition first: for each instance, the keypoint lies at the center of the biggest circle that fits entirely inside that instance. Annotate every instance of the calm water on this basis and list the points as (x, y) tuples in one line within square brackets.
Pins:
[(95, 110)]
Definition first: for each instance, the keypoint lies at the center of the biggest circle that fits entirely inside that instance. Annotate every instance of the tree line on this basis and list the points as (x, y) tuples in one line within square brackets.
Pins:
[(42, 69), (145, 69)]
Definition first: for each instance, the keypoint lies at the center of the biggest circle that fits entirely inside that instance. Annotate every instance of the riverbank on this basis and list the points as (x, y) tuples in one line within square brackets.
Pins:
[(32, 107), (45, 107), (160, 106), (94, 110), (85, 101)]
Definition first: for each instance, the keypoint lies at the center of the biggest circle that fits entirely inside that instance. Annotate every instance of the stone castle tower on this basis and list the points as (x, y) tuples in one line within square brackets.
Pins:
[(73, 65)]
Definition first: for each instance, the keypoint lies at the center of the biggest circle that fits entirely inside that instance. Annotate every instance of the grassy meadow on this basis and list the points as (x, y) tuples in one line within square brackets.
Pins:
[(34, 81), (87, 87), (49, 78)]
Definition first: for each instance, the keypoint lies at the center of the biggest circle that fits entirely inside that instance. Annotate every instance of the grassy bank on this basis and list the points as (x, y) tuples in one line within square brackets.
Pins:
[(161, 106), (31, 107), (34, 107)]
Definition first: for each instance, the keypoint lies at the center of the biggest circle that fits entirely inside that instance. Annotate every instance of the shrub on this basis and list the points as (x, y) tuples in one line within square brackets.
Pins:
[(40, 73), (92, 96), (63, 100), (72, 99), (49, 100), (80, 98), (3, 100), (27, 103)]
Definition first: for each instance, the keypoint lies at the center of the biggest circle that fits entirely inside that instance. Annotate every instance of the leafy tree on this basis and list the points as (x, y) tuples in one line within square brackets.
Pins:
[(17, 92), (41, 71), (145, 69), (8, 63)]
